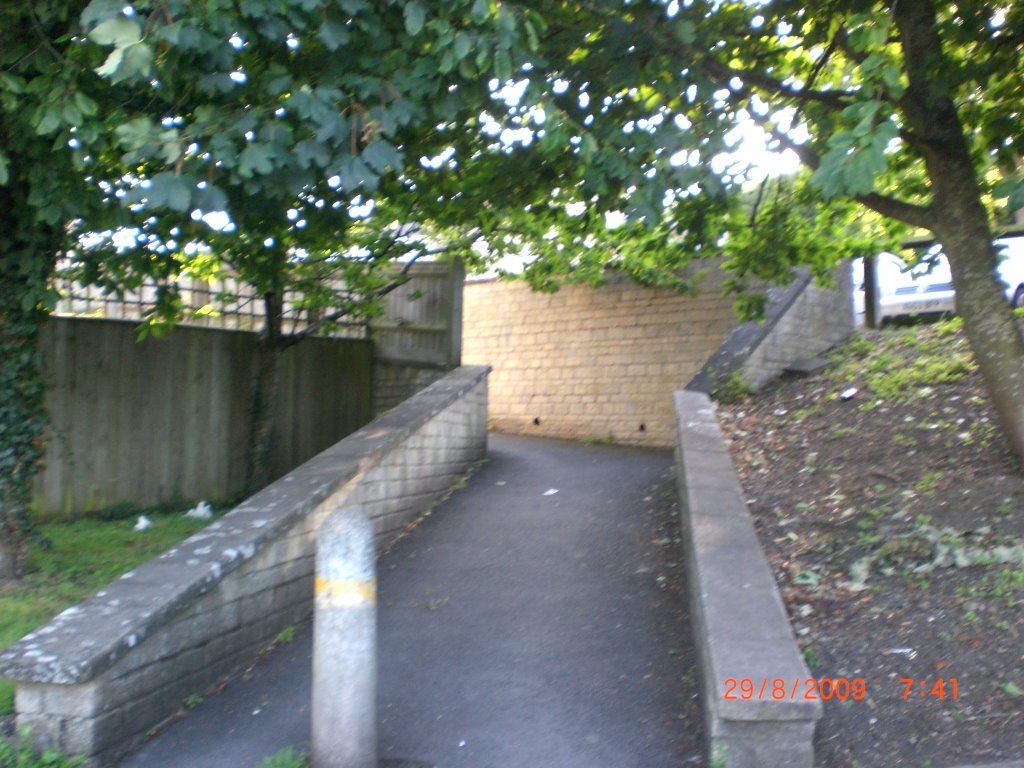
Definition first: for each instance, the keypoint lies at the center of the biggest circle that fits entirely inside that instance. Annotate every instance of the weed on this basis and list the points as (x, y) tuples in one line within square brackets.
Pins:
[(929, 483), (811, 658), (285, 636), (904, 441), (918, 581), (286, 758), (732, 390), (22, 755), (948, 327), (808, 579), (1010, 688), (859, 346), (971, 617), (193, 701), (804, 413)]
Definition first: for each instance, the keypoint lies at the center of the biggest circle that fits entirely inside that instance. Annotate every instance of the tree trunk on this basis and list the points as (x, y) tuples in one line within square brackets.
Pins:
[(27, 254), (960, 221), (265, 386)]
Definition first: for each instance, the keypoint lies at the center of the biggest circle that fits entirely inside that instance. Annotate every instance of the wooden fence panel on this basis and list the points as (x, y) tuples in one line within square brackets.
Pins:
[(422, 322), (167, 419)]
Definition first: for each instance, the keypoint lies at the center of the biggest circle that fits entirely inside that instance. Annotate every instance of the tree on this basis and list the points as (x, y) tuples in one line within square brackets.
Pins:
[(909, 110), (150, 114), (284, 113), (40, 192)]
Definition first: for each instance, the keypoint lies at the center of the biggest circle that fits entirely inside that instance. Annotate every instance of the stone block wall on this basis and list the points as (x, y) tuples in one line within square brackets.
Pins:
[(591, 362), (816, 321), (103, 673)]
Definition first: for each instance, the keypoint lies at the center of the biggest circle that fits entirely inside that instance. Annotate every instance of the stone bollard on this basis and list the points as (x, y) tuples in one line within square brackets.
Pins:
[(344, 711)]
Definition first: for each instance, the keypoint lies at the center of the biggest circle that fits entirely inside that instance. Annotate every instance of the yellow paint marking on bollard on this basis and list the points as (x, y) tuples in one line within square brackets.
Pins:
[(348, 593)]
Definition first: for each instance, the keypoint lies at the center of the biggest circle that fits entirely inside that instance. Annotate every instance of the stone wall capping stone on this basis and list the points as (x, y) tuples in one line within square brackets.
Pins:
[(739, 621)]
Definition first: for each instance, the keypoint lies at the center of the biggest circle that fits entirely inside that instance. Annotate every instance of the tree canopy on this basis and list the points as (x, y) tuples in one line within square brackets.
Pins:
[(584, 133)]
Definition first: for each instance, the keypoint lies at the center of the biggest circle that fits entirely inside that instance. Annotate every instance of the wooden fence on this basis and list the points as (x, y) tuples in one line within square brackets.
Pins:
[(167, 419), (422, 320)]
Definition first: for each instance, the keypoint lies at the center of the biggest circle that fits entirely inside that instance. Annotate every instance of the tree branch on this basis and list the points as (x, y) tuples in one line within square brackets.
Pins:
[(909, 213)]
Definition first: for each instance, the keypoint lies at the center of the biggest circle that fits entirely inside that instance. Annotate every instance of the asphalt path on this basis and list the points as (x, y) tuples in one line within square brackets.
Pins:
[(536, 619)]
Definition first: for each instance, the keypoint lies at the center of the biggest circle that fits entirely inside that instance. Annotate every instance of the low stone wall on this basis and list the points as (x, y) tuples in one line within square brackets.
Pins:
[(819, 319), (105, 672), (394, 381), (801, 320), (739, 621)]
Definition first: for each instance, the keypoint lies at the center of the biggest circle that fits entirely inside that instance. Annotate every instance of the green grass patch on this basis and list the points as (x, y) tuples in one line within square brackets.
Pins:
[(287, 758), (70, 561), (898, 365), (22, 755)]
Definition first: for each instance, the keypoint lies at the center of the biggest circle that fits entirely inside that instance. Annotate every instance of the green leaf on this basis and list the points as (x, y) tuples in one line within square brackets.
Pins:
[(11, 83), (355, 174), (481, 10), (462, 46), (120, 32), (532, 39), (502, 65), (179, 196), (686, 32), (170, 145), (312, 154), (381, 155), (210, 198), (352, 6), (1010, 688), (137, 63), (415, 18), (255, 158), (1013, 190), (5, 165), (85, 105), (135, 133), (109, 67), (333, 35), (47, 121), (100, 10)]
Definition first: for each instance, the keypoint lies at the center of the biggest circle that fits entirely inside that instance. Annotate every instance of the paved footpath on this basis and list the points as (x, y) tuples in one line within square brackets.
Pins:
[(535, 620)]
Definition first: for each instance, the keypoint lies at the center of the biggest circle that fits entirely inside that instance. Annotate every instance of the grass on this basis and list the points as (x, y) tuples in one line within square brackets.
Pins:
[(287, 758), (938, 357), (22, 755), (70, 561)]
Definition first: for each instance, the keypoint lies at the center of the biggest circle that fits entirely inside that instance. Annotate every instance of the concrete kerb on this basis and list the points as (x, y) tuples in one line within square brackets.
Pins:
[(741, 629), (95, 659)]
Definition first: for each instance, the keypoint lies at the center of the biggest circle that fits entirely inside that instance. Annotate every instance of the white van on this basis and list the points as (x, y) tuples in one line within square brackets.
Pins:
[(927, 287)]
